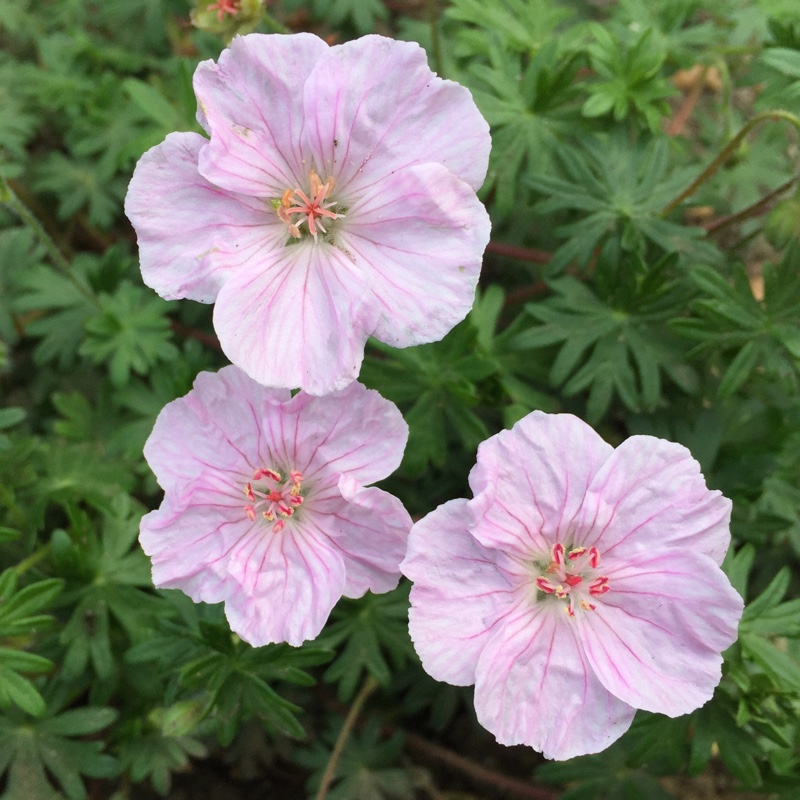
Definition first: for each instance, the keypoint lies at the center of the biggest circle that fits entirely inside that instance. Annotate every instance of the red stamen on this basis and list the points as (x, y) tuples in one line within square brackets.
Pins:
[(544, 585), (573, 580), (599, 586)]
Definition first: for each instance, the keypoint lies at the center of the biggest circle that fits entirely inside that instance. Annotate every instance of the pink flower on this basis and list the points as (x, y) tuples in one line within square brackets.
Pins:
[(335, 200), (580, 583), (265, 506)]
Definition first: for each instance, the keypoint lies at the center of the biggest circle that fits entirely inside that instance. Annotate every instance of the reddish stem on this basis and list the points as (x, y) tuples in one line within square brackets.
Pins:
[(207, 339), (521, 253)]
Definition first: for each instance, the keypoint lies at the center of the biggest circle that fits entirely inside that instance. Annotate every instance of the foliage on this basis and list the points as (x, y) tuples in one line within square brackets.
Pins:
[(608, 291)]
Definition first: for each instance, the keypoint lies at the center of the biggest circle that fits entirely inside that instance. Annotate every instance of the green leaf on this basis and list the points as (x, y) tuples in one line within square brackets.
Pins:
[(132, 333), (14, 689)]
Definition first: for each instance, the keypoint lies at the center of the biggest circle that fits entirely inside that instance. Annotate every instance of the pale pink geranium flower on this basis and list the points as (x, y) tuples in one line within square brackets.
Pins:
[(582, 582), (334, 200), (265, 503)]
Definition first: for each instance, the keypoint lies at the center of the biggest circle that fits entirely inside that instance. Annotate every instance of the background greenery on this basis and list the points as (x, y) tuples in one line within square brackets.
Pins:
[(644, 273)]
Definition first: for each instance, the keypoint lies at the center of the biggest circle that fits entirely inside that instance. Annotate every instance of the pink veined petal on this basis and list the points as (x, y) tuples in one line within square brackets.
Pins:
[(251, 102), (373, 107), (369, 527), (298, 318), (190, 546), (353, 432), (655, 638), (535, 687), (418, 237), (192, 235), (459, 593), (529, 482), (289, 582), (651, 492), (216, 429)]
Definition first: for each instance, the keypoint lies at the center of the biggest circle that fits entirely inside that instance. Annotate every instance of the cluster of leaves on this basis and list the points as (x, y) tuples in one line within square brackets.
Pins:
[(608, 292)]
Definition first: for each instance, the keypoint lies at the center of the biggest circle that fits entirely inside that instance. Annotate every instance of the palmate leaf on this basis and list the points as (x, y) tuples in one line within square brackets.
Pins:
[(19, 253), (107, 578), (618, 189), (435, 386), (22, 616), (31, 749), (80, 183), (529, 109), (765, 335), (232, 681), (630, 81), (367, 766), (523, 25), (68, 299), (371, 629), (609, 350), (672, 27), (130, 334), (361, 14), (614, 773), (155, 757)]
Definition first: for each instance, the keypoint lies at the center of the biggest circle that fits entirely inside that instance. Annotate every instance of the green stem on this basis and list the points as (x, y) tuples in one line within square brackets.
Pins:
[(437, 44), (370, 685), (33, 559), (9, 198), (728, 151), (273, 24)]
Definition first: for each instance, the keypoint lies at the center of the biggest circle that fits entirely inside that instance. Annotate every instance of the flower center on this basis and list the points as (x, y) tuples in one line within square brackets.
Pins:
[(312, 208), (573, 576), (273, 498), (224, 7)]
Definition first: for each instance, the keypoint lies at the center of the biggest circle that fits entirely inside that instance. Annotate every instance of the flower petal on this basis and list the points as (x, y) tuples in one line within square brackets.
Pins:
[(373, 107), (192, 235), (298, 319), (529, 482), (215, 430), (353, 432), (652, 491), (190, 545), (419, 238), (535, 687), (459, 592), (289, 583), (655, 638), (251, 102), (370, 529)]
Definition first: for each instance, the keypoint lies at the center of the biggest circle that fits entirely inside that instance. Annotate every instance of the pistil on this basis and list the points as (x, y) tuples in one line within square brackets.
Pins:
[(311, 207)]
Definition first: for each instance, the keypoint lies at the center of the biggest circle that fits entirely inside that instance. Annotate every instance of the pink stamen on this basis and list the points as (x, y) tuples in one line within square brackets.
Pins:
[(224, 7)]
